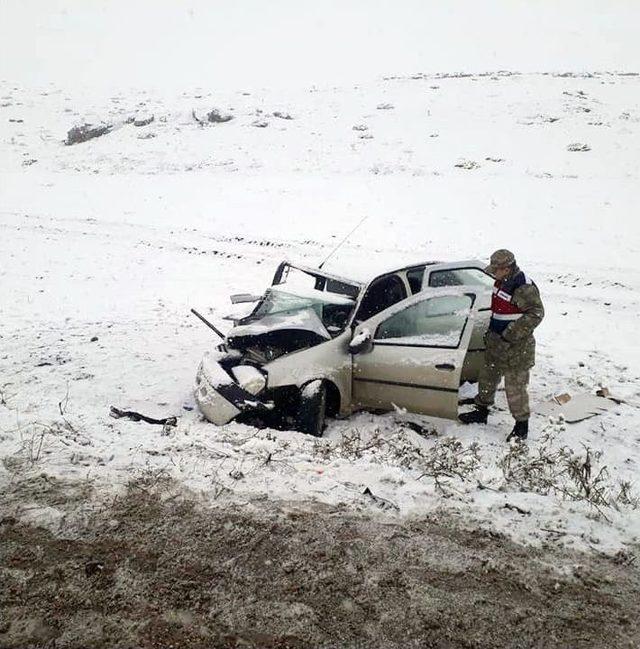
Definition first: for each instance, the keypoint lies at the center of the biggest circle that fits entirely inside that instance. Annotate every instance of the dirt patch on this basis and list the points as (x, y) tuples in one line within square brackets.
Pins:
[(156, 568)]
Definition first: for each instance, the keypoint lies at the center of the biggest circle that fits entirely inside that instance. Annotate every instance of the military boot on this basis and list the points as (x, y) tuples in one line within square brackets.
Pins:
[(520, 431), (477, 416)]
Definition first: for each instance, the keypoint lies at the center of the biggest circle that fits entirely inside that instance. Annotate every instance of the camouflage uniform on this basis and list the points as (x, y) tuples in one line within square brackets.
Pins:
[(512, 353)]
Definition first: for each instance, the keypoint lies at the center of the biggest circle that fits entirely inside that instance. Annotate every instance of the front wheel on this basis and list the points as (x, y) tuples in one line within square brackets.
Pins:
[(312, 408)]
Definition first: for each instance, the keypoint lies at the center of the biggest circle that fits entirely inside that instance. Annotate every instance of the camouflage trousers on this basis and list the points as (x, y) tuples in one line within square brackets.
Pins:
[(515, 385)]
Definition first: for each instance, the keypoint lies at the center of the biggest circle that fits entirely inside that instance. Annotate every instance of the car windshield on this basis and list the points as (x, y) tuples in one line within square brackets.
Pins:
[(333, 309)]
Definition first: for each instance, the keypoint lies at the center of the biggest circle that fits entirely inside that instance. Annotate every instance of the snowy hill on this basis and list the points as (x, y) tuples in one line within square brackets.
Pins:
[(106, 245)]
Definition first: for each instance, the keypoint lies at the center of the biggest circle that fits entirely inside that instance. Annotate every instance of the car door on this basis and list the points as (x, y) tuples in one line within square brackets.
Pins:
[(416, 353), (468, 273)]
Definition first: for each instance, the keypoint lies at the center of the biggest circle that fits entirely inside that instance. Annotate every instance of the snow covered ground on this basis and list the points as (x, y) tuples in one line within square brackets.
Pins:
[(106, 245)]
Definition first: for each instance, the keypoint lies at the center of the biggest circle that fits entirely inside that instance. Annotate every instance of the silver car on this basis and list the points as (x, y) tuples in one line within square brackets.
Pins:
[(317, 345)]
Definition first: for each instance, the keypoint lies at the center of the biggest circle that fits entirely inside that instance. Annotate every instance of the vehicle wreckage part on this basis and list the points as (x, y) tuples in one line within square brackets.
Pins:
[(212, 327), (304, 320), (322, 279), (242, 298), (218, 396), (212, 404), (382, 503), (250, 378), (312, 408), (329, 362), (116, 413)]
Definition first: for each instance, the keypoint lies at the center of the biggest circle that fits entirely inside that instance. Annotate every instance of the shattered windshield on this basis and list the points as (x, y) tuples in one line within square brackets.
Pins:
[(331, 308)]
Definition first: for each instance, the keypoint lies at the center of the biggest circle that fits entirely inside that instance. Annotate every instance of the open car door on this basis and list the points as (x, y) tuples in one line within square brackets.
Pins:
[(467, 273), (415, 353)]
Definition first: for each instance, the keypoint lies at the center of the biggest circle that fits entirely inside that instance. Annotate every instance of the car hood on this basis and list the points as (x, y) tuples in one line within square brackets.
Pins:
[(263, 340), (303, 320)]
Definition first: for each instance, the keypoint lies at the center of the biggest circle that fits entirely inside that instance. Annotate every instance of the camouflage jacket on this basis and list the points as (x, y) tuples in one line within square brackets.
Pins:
[(515, 348)]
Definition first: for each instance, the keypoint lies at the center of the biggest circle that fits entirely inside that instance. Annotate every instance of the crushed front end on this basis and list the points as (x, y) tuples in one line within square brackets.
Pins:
[(224, 389), (235, 378)]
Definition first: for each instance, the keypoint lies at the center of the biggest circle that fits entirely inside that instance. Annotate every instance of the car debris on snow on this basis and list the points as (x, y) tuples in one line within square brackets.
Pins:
[(116, 413), (382, 503), (576, 408)]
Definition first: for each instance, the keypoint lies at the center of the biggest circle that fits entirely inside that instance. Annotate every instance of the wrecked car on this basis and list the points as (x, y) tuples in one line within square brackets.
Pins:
[(316, 345)]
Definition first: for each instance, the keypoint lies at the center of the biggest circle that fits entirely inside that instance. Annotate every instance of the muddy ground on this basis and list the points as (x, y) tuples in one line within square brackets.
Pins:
[(157, 568)]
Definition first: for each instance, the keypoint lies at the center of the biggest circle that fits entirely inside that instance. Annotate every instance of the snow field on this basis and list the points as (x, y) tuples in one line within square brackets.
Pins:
[(117, 238)]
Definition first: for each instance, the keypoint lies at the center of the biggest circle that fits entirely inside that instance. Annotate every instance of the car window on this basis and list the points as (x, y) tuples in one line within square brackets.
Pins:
[(434, 322), (460, 277), (381, 294), (415, 277)]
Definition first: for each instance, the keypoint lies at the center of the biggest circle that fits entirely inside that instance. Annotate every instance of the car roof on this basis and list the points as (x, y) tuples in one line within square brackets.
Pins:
[(323, 273), (365, 276)]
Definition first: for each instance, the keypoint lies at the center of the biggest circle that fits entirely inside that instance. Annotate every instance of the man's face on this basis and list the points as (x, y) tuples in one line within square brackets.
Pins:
[(501, 272)]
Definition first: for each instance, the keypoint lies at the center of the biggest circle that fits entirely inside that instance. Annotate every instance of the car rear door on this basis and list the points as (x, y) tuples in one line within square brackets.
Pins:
[(417, 352)]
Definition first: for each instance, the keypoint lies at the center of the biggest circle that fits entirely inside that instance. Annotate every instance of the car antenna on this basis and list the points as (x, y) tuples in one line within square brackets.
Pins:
[(340, 244)]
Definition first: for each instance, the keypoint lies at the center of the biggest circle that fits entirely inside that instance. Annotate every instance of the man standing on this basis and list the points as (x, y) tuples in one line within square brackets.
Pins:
[(516, 310)]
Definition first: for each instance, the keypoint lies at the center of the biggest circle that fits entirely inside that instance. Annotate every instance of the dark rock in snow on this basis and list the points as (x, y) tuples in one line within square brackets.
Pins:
[(85, 132), (143, 120), (260, 123), (216, 117), (467, 164), (576, 146), (280, 115), (94, 339)]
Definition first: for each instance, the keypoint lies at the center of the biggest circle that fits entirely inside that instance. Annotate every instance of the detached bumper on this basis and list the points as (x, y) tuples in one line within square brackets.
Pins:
[(220, 397)]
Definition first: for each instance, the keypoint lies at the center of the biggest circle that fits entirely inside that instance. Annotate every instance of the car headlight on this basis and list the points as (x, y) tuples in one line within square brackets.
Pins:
[(250, 378)]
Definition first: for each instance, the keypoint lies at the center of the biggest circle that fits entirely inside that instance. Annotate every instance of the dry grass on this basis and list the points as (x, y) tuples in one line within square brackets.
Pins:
[(553, 468)]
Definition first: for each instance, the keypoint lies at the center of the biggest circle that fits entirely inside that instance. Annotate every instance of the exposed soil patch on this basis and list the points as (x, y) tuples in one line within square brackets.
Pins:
[(158, 569)]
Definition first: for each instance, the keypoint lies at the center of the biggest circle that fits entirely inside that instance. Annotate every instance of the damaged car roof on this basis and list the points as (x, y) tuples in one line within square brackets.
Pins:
[(359, 275)]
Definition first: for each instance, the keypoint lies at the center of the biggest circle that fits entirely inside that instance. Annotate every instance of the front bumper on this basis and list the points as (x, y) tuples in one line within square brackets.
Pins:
[(220, 397)]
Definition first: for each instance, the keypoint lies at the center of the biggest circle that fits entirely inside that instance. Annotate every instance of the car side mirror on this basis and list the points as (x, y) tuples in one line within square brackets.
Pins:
[(361, 342), (240, 298)]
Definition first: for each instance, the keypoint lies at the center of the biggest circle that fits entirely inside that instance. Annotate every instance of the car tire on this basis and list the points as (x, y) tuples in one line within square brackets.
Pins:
[(312, 408)]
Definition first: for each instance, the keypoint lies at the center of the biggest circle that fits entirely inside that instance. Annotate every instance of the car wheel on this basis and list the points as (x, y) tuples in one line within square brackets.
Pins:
[(312, 408)]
